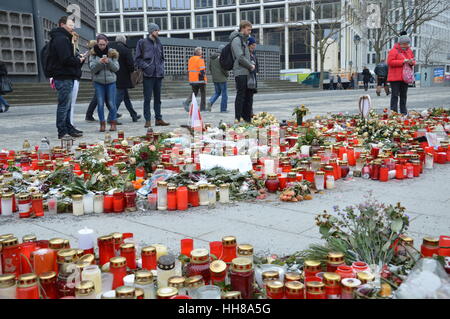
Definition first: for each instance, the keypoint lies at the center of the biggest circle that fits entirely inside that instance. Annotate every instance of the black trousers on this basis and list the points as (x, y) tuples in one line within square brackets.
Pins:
[(196, 88), (399, 89), (243, 106)]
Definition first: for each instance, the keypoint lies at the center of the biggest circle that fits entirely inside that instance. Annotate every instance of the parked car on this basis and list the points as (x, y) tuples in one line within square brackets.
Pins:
[(313, 80)]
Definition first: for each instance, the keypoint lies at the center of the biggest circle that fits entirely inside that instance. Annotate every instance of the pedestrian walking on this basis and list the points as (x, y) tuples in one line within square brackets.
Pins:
[(241, 70), (150, 58), (65, 68), (197, 79), (219, 77), (123, 83), (339, 82), (331, 81), (400, 56), (252, 84), (381, 71), (367, 76), (4, 105), (104, 63)]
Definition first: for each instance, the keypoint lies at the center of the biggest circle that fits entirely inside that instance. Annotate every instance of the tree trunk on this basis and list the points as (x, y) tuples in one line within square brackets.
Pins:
[(322, 68)]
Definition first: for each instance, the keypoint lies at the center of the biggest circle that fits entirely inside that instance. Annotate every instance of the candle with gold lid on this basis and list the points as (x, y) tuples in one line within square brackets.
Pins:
[(365, 277), (8, 286), (242, 277), (246, 251), (149, 259), (85, 290), (179, 283), (199, 264), (311, 268), (118, 267), (48, 284), (27, 287), (315, 290), (229, 248), (429, 247), (332, 283), (93, 273), (270, 275), (334, 260), (349, 286), (145, 281), (192, 284), (294, 290), (292, 276), (29, 238), (232, 295), (218, 272), (166, 292), (275, 289), (125, 292)]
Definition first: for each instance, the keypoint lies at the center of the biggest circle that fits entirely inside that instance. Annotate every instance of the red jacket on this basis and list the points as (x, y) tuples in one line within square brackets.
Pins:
[(396, 60)]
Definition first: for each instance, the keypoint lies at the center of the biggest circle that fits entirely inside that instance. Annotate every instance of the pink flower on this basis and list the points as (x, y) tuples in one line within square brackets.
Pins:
[(152, 148)]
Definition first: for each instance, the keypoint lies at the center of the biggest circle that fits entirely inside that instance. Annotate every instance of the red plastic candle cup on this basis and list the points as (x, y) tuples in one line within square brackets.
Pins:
[(148, 255), (359, 266), (180, 297), (140, 172), (384, 174), (313, 278), (374, 152), (182, 198), (283, 182), (108, 203), (345, 272), (187, 245), (216, 248), (25, 258)]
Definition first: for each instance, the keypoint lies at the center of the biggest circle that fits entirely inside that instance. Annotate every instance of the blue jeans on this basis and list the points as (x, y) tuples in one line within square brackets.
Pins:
[(106, 93), (152, 86), (64, 88), (221, 89), (122, 95), (3, 102)]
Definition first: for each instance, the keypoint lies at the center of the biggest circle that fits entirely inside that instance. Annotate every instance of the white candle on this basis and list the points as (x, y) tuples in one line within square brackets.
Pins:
[(161, 250), (86, 238), (77, 205), (88, 203), (94, 274), (330, 182), (98, 204), (269, 167), (7, 204), (128, 280), (304, 149)]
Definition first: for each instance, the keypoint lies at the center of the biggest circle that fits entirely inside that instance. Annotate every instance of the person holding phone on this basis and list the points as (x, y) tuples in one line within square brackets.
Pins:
[(104, 63), (400, 55)]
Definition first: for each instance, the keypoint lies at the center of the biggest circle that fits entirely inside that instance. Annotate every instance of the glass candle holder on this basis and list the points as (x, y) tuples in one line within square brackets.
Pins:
[(8, 286), (315, 290), (216, 249), (275, 289), (118, 202), (332, 283), (77, 205), (162, 196), (224, 193), (85, 290), (349, 286), (178, 282), (128, 251), (245, 251), (429, 247), (108, 203), (171, 198), (144, 280), (229, 248), (209, 292), (199, 264), (193, 196), (272, 183), (218, 272), (105, 249), (88, 203), (93, 273), (37, 204), (165, 270), (182, 198), (27, 287), (319, 180), (192, 284), (204, 195)]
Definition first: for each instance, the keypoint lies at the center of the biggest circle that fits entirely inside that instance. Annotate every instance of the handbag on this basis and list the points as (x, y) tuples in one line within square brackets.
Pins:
[(5, 85), (251, 81), (408, 73), (137, 77)]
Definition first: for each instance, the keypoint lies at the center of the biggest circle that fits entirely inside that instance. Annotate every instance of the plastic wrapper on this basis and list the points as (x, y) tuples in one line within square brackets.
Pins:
[(427, 280), (151, 183)]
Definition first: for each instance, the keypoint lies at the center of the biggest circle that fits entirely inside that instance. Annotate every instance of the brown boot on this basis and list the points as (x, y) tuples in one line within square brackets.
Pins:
[(148, 124), (102, 126), (113, 126), (161, 123)]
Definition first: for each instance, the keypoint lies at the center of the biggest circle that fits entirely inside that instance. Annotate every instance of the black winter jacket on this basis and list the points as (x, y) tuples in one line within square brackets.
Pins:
[(126, 63), (63, 62), (3, 70)]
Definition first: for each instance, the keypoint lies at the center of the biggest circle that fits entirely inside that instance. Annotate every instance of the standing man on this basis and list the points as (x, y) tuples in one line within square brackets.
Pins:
[(150, 58), (366, 77), (381, 70), (123, 82), (65, 68), (241, 70), (331, 81), (197, 79), (219, 76)]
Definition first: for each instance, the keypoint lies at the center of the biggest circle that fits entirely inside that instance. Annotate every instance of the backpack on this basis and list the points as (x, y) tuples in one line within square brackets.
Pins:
[(45, 60), (226, 56)]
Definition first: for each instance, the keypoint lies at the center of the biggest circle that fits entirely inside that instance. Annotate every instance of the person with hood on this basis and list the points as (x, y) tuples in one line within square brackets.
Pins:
[(241, 70), (124, 83), (219, 76), (197, 79), (381, 70), (150, 58), (104, 63), (65, 68), (367, 76), (4, 105), (400, 55)]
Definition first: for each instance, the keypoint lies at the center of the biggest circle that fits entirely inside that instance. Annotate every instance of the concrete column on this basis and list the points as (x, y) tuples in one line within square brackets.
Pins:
[(39, 39), (313, 39), (122, 20), (97, 16), (286, 36), (193, 26)]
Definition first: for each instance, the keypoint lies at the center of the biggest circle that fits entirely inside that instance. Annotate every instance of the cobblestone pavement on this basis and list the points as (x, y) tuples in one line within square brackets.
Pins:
[(270, 225)]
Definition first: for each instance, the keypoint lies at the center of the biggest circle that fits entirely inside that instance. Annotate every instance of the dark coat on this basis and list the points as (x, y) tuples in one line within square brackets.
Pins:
[(3, 69), (63, 62), (366, 75), (381, 69), (150, 57), (126, 63)]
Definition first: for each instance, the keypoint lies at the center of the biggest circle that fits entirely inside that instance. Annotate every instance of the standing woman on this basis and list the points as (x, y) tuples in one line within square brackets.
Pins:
[(366, 78), (400, 55), (252, 84), (76, 82), (4, 105), (104, 63)]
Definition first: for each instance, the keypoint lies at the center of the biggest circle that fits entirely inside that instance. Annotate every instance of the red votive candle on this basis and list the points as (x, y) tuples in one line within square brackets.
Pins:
[(182, 198), (148, 255)]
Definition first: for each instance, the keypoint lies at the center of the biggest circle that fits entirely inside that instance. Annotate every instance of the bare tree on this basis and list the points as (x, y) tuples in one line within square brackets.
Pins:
[(429, 48), (324, 32)]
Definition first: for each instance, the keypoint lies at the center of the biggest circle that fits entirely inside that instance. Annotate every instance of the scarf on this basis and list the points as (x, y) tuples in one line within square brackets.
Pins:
[(100, 53)]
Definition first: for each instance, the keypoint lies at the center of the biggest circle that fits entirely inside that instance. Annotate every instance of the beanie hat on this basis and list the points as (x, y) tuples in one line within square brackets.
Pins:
[(221, 48), (404, 39), (251, 40), (152, 27), (102, 37)]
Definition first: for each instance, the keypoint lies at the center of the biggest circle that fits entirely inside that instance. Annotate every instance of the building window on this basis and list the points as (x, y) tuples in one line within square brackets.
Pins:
[(223, 36), (275, 37), (274, 15), (161, 21), (110, 25), (181, 22), (368, 58), (180, 4), (109, 5), (224, 3), (328, 10), (248, 1), (206, 36), (157, 4), (299, 52), (133, 24), (204, 21), (299, 13), (226, 19), (132, 5), (374, 58), (201, 4), (251, 15)]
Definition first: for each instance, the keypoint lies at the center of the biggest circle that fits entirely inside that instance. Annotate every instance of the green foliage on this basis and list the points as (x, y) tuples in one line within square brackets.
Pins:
[(311, 137)]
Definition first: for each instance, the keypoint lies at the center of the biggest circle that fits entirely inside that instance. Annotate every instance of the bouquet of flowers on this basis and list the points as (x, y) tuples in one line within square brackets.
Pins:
[(264, 119)]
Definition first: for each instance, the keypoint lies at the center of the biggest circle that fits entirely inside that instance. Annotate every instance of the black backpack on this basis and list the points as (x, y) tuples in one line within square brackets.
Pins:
[(226, 56), (45, 60)]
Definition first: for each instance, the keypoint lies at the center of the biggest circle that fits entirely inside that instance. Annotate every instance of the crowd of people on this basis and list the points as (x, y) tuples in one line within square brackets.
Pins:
[(113, 66)]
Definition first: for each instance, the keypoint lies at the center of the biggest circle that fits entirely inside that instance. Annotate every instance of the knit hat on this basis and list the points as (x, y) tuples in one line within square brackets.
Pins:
[(221, 48), (152, 27), (251, 40), (404, 39), (102, 37)]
